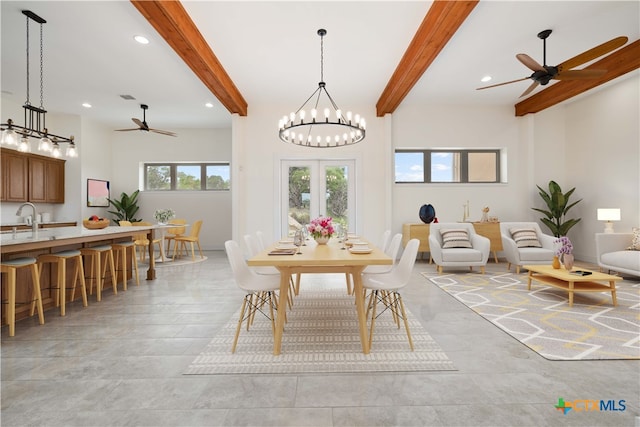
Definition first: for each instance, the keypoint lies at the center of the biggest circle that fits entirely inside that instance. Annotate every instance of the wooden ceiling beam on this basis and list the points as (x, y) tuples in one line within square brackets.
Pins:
[(172, 22), (618, 63), (440, 24)]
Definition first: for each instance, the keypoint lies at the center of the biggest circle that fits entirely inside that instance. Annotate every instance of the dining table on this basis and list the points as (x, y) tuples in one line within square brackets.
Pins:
[(333, 257)]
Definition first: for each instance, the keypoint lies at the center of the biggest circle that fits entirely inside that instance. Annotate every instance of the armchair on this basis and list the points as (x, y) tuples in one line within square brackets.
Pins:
[(519, 256), (445, 253)]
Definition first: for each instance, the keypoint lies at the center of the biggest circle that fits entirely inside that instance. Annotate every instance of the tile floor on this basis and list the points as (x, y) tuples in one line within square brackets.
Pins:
[(120, 362)]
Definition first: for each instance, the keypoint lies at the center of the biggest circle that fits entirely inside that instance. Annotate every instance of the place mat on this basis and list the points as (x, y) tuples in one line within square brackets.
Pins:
[(542, 320), (321, 336)]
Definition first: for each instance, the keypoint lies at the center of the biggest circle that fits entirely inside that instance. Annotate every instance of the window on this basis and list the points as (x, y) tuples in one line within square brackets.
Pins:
[(186, 176), (447, 166)]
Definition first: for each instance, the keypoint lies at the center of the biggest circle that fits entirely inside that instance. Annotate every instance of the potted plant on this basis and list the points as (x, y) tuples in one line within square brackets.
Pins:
[(127, 207), (558, 206)]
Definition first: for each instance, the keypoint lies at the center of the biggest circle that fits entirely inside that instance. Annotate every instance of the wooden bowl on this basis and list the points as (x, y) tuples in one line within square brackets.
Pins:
[(95, 225)]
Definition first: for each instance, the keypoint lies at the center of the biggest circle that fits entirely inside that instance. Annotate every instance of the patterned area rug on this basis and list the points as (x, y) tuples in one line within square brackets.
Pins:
[(542, 319), (321, 336)]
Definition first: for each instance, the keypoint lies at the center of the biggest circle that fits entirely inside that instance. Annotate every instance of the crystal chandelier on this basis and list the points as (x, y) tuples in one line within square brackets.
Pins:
[(35, 117), (310, 127)]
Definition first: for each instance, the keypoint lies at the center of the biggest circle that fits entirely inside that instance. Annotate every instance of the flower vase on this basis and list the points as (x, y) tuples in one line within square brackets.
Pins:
[(322, 240), (555, 263), (567, 260)]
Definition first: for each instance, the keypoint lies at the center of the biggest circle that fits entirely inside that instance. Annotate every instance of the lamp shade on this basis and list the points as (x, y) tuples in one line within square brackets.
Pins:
[(609, 214)]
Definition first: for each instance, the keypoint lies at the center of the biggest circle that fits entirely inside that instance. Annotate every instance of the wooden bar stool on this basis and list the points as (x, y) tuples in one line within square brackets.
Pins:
[(99, 272), (60, 259), (120, 248), (10, 267)]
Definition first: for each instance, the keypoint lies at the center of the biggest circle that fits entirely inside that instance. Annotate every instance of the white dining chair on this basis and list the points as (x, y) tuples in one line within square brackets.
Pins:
[(254, 247), (385, 288), (260, 290)]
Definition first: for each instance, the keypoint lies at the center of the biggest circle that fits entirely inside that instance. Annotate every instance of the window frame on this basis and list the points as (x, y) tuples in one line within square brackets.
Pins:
[(173, 174), (427, 154)]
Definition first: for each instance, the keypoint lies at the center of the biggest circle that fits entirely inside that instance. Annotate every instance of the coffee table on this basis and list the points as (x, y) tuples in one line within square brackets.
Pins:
[(563, 279)]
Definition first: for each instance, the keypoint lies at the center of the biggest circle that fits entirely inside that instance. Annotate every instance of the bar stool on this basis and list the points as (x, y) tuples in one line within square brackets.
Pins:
[(98, 272), (60, 259), (10, 267), (120, 248)]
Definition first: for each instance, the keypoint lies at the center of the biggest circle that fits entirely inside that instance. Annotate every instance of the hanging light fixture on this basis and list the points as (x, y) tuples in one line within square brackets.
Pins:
[(35, 117), (324, 129)]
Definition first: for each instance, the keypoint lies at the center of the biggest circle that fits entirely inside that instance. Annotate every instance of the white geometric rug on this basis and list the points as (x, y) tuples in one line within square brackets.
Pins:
[(321, 336), (542, 319)]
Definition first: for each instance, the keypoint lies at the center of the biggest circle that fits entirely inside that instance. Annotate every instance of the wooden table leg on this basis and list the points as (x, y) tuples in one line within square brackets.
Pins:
[(529, 277), (614, 298), (570, 294), (362, 319), (151, 272), (285, 276)]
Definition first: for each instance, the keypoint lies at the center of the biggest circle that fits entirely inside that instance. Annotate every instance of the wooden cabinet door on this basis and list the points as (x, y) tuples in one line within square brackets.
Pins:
[(54, 181), (14, 177), (37, 180)]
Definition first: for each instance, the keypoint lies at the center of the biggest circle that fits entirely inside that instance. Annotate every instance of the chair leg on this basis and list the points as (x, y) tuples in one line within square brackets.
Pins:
[(404, 316), (374, 295), (482, 269), (242, 309), (37, 295)]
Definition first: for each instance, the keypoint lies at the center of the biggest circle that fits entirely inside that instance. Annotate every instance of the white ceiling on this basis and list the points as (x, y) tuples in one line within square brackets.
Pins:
[(272, 53)]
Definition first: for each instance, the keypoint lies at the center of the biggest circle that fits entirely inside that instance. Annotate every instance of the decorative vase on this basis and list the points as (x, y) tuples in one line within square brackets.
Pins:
[(322, 240), (567, 260), (555, 263)]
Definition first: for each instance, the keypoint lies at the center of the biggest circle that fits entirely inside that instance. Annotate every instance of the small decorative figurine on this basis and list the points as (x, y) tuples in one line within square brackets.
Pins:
[(485, 214)]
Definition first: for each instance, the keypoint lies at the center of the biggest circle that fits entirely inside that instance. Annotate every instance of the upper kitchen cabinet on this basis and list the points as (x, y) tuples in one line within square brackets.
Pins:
[(32, 178)]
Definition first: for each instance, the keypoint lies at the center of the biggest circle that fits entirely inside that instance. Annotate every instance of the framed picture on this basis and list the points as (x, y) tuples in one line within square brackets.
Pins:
[(97, 193)]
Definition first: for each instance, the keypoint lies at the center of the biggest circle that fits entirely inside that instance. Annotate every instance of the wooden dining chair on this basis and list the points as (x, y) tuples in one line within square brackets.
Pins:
[(193, 239), (173, 232), (141, 241)]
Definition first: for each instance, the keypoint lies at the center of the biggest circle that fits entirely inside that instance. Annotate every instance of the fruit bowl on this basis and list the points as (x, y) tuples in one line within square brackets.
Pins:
[(95, 225)]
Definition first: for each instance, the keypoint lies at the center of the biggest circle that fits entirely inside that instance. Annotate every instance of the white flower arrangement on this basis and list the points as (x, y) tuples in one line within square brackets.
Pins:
[(164, 215)]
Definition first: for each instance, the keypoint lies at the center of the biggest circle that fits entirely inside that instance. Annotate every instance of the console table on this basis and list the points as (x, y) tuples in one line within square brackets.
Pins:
[(490, 230)]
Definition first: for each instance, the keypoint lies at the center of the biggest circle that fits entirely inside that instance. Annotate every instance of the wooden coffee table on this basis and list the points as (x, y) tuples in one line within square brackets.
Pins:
[(561, 278)]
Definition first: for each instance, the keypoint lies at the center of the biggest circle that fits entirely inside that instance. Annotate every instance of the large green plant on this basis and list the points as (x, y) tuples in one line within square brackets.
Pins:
[(127, 207), (558, 206)]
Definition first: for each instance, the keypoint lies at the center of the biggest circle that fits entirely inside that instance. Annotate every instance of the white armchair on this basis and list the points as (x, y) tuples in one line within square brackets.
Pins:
[(474, 256), (520, 256)]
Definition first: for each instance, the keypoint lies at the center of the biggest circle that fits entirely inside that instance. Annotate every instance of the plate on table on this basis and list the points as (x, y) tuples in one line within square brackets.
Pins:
[(362, 250), (285, 246), (352, 242), (285, 241)]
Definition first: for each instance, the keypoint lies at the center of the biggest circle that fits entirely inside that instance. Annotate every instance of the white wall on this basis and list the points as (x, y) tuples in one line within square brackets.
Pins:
[(131, 149)]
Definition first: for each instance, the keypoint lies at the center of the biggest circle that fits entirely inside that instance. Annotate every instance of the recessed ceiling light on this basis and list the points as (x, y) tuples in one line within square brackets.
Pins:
[(141, 39), (86, 105), (485, 79), (208, 105)]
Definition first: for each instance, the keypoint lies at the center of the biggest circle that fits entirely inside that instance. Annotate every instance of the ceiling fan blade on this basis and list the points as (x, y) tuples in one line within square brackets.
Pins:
[(139, 123), (502, 84), (163, 132), (530, 89), (593, 53), (529, 62), (126, 130), (580, 74)]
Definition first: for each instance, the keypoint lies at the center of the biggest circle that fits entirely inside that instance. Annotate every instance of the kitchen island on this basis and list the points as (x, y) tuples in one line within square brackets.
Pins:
[(44, 241)]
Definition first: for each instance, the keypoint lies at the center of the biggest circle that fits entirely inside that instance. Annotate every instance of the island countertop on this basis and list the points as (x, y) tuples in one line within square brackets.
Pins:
[(24, 241)]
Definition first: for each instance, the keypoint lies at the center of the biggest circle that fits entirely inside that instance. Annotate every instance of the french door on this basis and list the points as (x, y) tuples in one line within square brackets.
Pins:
[(312, 188)]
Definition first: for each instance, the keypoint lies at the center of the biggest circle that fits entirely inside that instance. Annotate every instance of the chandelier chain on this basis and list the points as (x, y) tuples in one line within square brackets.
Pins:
[(27, 102), (321, 58), (41, 70)]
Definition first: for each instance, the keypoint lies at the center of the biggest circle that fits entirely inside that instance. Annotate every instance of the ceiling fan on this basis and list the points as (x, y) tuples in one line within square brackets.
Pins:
[(142, 125), (542, 74)]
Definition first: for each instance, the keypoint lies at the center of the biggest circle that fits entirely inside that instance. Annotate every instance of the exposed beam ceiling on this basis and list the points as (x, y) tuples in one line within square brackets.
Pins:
[(617, 64), (439, 25), (173, 23)]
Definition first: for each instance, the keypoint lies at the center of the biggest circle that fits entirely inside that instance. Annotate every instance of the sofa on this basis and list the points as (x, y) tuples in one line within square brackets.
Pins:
[(613, 254)]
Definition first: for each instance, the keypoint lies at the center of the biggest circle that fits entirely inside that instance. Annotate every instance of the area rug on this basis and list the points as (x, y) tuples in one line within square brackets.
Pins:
[(542, 319), (321, 336)]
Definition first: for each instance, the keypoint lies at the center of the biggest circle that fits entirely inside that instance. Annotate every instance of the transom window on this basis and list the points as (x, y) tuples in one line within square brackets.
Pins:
[(447, 166), (186, 176)]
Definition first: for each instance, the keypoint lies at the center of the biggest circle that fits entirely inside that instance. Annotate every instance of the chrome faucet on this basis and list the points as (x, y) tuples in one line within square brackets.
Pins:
[(34, 222)]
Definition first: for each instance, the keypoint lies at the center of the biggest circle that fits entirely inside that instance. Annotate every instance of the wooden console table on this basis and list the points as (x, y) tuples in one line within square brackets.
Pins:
[(490, 230)]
